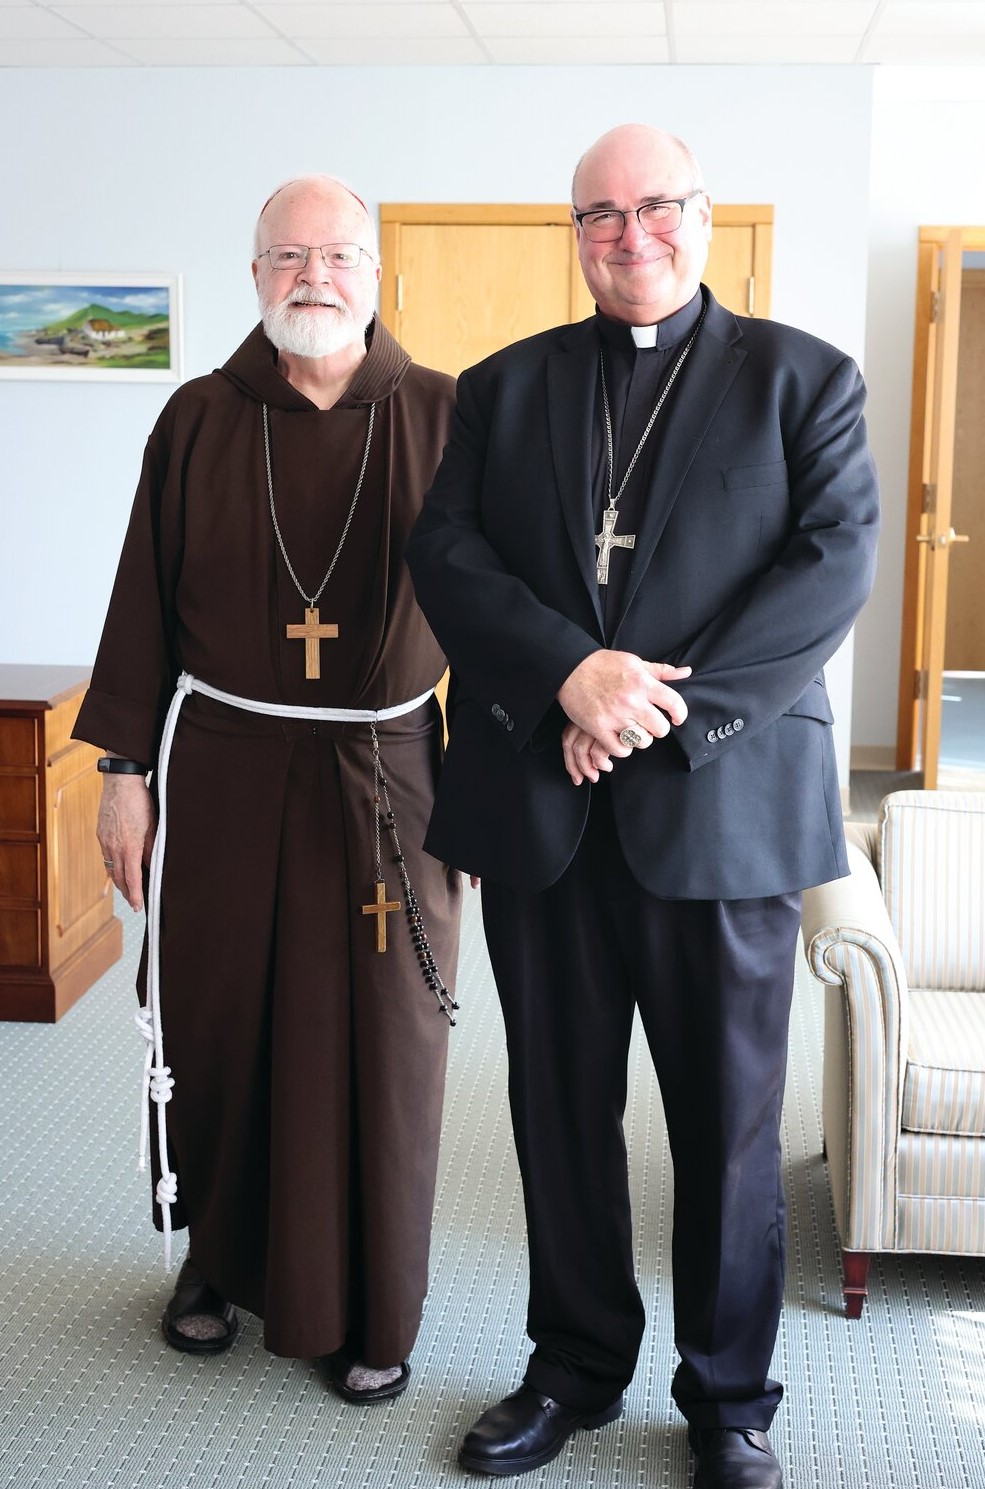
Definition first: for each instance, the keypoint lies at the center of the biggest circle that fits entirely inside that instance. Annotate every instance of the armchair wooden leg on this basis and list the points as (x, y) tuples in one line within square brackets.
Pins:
[(856, 1272)]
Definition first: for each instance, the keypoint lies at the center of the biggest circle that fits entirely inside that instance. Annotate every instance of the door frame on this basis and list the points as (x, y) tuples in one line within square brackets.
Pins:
[(917, 649)]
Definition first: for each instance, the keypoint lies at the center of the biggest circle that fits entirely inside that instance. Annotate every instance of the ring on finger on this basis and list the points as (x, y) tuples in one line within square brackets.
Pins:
[(631, 736), (107, 863)]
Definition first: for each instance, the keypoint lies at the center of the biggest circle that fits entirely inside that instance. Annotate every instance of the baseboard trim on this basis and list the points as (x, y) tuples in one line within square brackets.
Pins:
[(873, 757)]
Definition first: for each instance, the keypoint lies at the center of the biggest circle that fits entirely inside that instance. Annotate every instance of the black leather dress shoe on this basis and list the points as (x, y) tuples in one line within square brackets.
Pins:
[(525, 1431), (734, 1458)]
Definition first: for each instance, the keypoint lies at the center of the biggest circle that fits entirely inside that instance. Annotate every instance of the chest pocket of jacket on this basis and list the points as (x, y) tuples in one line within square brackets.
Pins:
[(758, 496), (765, 481)]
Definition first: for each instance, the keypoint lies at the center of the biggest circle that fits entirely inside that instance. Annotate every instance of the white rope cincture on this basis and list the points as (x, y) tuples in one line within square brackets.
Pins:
[(157, 1081)]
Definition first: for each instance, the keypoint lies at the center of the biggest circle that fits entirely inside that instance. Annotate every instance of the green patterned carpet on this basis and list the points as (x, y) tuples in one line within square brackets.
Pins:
[(90, 1394)]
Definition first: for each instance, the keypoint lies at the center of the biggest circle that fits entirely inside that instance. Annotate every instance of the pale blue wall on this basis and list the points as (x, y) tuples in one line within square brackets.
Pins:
[(165, 170)]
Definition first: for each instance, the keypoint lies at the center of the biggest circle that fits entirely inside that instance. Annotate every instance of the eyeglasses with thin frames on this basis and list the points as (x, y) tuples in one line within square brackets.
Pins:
[(606, 224), (334, 255)]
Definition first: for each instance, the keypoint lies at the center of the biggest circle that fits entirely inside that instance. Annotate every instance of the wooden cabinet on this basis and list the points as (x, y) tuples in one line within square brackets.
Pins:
[(58, 933), (461, 280)]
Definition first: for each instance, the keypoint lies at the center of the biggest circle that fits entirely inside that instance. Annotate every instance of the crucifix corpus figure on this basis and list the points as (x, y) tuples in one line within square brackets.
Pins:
[(606, 540)]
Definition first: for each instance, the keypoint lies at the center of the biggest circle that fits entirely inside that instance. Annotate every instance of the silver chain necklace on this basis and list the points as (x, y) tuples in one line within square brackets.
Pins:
[(607, 539), (312, 600)]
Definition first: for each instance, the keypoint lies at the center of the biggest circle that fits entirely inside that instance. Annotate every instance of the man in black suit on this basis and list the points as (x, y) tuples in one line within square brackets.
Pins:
[(648, 533)]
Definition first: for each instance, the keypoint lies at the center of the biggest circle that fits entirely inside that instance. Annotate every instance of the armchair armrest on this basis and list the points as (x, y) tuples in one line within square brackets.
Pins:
[(851, 946)]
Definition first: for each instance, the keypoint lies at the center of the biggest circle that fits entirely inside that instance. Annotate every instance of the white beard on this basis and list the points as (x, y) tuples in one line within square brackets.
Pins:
[(302, 334)]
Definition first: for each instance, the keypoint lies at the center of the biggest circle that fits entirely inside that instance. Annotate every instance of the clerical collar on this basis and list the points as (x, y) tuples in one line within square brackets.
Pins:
[(666, 333)]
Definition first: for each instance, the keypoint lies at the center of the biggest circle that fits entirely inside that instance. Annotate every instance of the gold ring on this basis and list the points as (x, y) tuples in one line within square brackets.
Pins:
[(631, 736)]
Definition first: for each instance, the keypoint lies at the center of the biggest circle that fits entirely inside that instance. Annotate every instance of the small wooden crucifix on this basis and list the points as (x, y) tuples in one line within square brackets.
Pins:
[(606, 540), (312, 634), (380, 909)]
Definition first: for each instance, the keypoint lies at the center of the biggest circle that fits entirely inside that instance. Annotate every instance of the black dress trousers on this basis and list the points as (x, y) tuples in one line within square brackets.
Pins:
[(713, 980)]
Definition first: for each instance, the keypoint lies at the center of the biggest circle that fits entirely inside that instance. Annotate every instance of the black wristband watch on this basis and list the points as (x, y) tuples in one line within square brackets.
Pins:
[(114, 766)]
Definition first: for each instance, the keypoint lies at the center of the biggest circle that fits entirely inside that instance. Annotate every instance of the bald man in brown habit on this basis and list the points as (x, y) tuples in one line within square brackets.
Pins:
[(303, 933)]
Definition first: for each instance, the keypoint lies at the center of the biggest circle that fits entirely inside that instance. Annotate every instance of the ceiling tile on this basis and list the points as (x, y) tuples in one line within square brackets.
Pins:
[(619, 18), (528, 32), (711, 18), (168, 21), (203, 52), (452, 5), (385, 51), (957, 51), (30, 23), (755, 50), (72, 5), (951, 17), (559, 51), (61, 52), (382, 20)]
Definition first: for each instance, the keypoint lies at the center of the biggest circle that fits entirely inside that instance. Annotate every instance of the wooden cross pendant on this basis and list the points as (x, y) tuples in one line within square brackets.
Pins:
[(606, 540), (380, 909), (312, 634)]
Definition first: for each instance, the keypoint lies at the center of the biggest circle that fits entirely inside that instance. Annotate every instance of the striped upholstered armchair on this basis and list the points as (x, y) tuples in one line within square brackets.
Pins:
[(901, 945)]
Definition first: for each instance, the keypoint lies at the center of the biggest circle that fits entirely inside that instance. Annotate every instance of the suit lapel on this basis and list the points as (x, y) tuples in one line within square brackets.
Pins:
[(712, 363), (571, 378)]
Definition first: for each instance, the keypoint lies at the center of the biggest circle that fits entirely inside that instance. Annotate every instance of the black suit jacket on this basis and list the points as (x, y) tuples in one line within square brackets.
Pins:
[(754, 554)]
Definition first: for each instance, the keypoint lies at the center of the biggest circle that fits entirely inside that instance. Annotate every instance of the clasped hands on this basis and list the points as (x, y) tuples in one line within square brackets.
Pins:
[(606, 692)]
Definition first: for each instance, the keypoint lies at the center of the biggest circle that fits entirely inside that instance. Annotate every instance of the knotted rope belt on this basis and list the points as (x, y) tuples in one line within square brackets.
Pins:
[(157, 1079)]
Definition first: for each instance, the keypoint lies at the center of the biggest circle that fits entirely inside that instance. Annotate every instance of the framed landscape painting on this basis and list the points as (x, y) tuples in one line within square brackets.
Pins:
[(90, 327)]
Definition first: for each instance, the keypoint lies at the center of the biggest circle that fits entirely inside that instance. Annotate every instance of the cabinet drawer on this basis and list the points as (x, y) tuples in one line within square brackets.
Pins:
[(20, 938), (18, 741), (18, 804), (19, 871)]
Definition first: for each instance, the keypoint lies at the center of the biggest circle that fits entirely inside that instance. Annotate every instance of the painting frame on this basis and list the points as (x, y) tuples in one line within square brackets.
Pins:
[(90, 326)]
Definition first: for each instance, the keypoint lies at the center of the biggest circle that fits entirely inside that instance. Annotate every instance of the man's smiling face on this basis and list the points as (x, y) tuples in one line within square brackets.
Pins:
[(641, 278), (315, 310)]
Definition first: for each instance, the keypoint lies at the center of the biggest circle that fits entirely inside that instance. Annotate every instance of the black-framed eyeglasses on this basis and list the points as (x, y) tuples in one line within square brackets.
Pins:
[(334, 255), (606, 224)]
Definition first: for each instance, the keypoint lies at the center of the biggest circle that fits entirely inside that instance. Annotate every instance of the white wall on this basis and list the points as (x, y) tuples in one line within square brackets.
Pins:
[(928, 129), (165, 170)]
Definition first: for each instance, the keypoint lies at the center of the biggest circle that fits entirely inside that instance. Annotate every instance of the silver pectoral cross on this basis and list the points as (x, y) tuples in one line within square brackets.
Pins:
[(606, 540)]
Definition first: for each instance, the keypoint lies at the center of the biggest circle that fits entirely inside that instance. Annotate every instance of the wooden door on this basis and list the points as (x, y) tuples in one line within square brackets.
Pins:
[(740, 259), (930, 533), (460, 281), (964, 642)]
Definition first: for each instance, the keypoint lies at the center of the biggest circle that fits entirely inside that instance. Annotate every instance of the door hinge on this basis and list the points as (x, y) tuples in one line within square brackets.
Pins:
[(400, 292), (935, 307), (920, 684), (929, 496)]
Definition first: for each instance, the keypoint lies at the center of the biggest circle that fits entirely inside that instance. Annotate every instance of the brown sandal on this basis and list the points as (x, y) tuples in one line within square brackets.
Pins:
[(197, 1320)]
